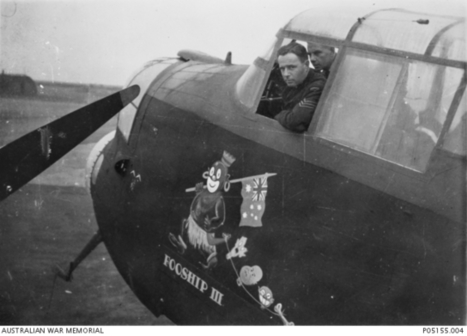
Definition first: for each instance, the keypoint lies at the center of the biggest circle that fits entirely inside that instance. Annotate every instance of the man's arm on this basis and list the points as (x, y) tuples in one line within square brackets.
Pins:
[(299, 117)]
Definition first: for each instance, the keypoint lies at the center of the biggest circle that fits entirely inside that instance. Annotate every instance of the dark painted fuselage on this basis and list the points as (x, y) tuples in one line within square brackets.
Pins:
[(332, 249)]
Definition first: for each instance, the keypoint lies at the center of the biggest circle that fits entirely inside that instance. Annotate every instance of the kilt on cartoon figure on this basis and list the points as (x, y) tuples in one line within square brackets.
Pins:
[(207, 213)]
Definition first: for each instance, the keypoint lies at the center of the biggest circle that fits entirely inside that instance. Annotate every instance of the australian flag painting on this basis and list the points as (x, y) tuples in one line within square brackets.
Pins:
[(254, 191)]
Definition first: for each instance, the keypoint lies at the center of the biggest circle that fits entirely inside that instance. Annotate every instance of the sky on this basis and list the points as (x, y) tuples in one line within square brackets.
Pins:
[(106, 41)]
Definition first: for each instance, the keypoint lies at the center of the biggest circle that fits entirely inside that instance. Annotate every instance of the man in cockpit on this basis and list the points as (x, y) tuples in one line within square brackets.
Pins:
[(321, 57), (304, 88)]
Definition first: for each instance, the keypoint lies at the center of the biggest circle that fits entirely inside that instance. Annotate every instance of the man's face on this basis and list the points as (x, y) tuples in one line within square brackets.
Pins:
[(292, 69), (321, 56)]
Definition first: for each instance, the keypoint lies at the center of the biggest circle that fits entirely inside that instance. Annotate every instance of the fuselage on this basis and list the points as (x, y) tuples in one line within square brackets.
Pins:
[(332, 250), (334, 234)]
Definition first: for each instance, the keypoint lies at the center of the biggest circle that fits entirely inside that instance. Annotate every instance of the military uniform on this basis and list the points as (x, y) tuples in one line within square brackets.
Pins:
[(299, 103)]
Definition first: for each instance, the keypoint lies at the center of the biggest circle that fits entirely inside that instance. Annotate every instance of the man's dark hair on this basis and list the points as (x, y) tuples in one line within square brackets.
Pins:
[(294, 48), (331, 49)]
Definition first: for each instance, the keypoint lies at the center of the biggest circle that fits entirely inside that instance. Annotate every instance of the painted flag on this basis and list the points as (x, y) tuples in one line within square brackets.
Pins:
[(254, 192)]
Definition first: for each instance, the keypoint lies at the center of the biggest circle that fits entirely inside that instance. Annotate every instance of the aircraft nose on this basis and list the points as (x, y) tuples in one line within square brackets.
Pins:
[(95, 159)]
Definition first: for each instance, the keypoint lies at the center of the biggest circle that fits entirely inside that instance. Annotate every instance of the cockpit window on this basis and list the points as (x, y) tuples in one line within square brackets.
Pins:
[(293, 104), (250, 84), (456, 138), (389, 107)]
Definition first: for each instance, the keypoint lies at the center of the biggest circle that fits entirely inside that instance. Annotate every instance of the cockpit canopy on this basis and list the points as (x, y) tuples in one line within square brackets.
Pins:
[(396, 29), (396, 88)]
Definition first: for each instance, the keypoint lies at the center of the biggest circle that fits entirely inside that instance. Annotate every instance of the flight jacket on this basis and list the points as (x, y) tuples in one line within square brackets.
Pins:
[(299, 103)]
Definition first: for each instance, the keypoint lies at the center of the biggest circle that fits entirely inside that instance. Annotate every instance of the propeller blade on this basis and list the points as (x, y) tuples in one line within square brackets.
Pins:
[(28, 156)]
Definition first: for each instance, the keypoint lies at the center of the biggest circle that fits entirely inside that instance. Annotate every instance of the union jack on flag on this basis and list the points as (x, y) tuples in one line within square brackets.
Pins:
[(260, 188)]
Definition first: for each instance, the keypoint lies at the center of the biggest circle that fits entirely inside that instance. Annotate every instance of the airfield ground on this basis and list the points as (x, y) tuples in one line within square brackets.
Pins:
[(48, 222)]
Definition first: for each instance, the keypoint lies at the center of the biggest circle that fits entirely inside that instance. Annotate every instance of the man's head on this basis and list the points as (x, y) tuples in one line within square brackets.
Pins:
[(321, 56), (293, 63)]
